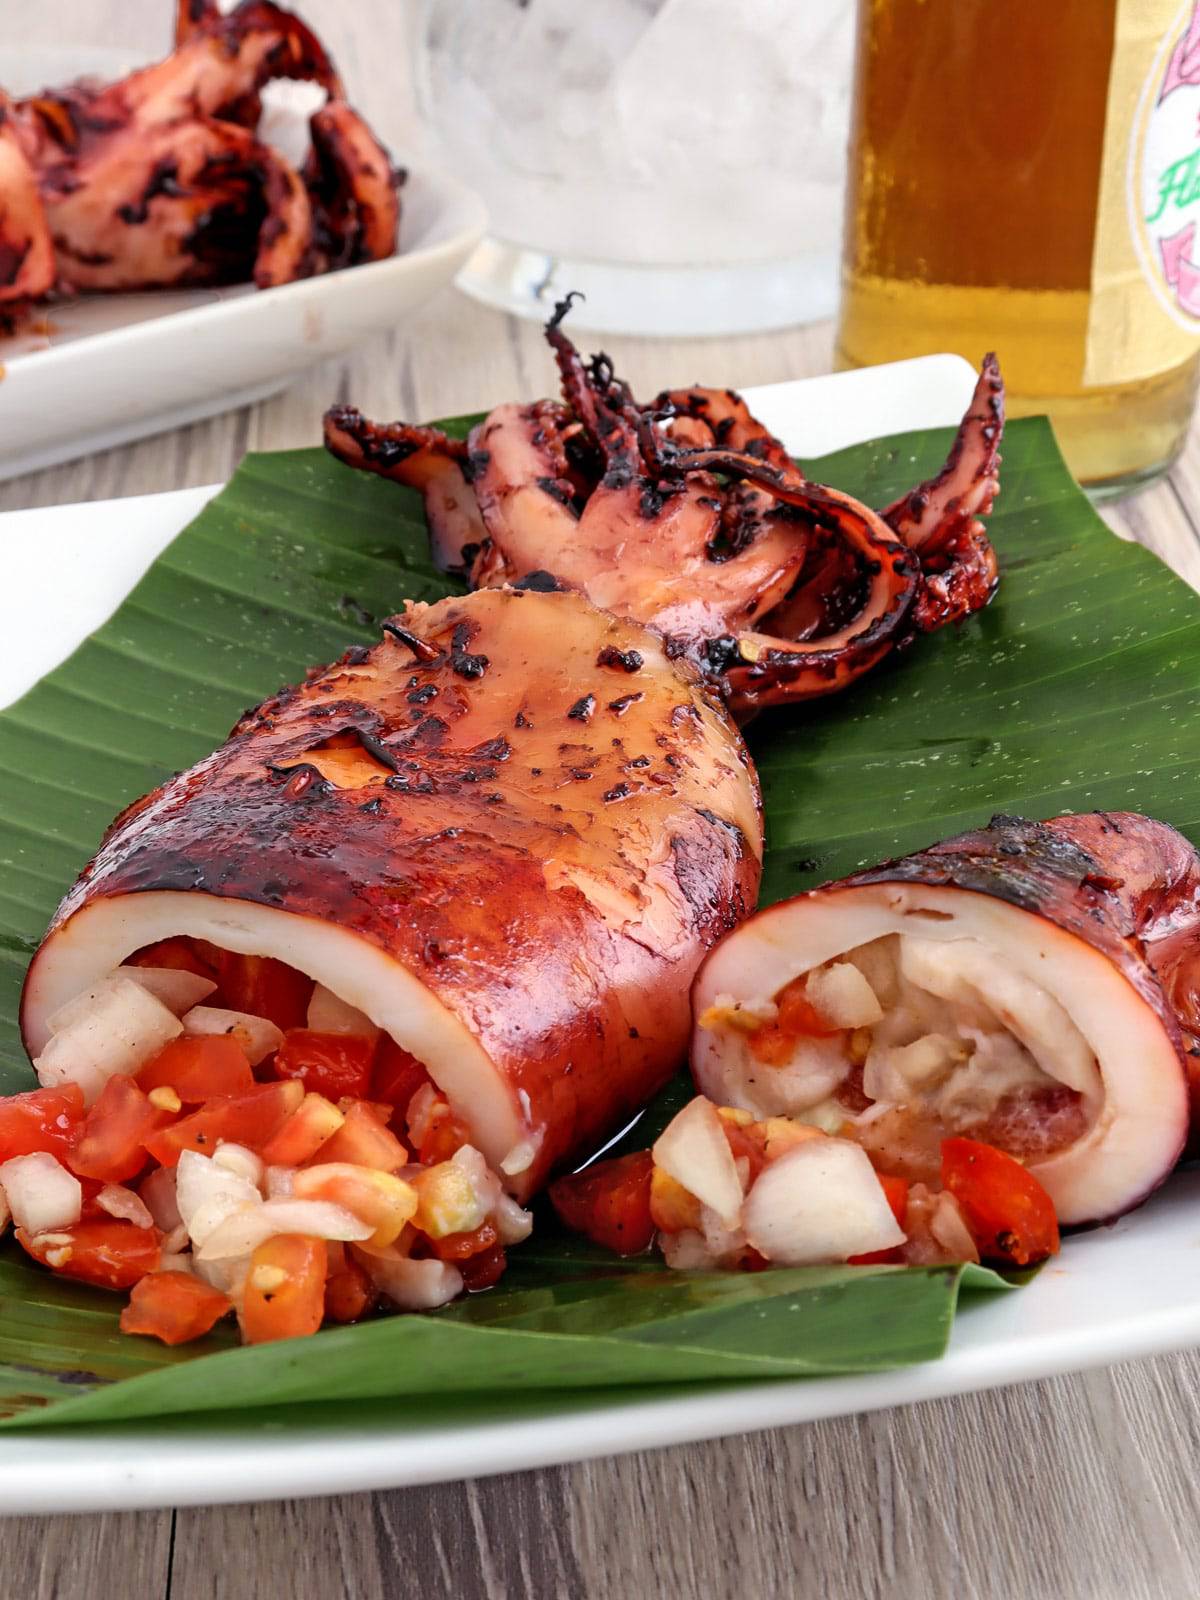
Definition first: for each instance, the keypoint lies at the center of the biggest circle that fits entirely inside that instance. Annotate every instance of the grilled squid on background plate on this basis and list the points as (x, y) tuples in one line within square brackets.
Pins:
[(487, 855), (939, 1058)]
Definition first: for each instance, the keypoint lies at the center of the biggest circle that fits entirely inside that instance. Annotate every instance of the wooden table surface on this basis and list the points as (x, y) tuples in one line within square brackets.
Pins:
[(1081, 1487)]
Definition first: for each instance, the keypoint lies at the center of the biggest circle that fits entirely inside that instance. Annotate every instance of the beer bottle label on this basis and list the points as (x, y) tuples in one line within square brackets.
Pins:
[(1144, 315)]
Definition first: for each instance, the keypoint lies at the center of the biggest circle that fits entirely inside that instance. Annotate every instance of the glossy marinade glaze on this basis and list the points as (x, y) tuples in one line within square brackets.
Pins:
[(508, 833)]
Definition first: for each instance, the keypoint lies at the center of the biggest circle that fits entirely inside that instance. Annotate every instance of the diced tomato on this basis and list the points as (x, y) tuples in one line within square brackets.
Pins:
[(446, 1134), (111, 1255), (199, 1069), (896, 1192), (249, 1119), (179, 954), (285, 1289), (303, 1134), (42, 1119), (483, 1270), (332, 1064), (798, 1015), (609, 1202), (382, 1112), (459, 1246), (363, 1141), (110, 1143), (397, 1075), (173, 1307), (264, 987), (349, 1292), (1009, 1213), (746, 1144), (672, 1207), (775, 1042), (381, 1199), (89, 1211)]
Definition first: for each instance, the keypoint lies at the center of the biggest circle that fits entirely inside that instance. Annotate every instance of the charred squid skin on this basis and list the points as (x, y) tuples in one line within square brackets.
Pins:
[(927, 517), (1127, 883), (774, 670), (721, 418), (1110, 901), (507, 850), (940, 519), (424, 459), (689, 516)]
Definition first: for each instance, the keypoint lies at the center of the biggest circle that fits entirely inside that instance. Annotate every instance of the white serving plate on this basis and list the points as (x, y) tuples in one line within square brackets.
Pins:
[(1120, 1292), (104, 369)]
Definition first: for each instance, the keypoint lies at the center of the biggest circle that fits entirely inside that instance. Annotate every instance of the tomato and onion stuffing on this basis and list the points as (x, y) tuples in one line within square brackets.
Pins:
[(721, 1189), (940, 1059), (209, 1178)]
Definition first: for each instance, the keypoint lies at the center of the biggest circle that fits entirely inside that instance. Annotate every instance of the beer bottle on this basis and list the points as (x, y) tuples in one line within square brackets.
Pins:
[(1025, 177)]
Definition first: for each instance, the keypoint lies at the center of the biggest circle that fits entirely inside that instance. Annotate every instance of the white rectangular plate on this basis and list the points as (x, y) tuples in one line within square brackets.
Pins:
[(1129, 1290)]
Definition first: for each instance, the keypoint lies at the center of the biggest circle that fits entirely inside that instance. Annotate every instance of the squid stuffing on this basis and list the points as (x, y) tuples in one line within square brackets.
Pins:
[(688, 516), (939, 1059), (160, 179)]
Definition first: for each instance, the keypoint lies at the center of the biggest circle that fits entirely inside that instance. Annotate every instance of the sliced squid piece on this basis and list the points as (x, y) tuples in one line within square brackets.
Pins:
[(506, 835), (1038, 988)]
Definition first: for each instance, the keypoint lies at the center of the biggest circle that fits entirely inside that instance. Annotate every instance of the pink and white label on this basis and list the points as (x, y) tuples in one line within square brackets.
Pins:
[(1165, 171)]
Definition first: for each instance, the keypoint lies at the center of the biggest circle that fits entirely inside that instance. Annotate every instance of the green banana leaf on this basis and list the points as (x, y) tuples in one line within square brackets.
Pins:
[(1073, 690)]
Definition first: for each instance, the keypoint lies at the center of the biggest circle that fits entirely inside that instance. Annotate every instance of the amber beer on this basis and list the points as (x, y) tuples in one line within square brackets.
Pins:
[(1025, 177)]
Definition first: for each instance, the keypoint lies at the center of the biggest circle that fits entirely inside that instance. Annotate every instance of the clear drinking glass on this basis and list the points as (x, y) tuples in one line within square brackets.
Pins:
[(678, 161)]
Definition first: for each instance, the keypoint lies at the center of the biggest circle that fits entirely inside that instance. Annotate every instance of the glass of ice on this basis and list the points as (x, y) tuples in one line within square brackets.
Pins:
[(679, 161)]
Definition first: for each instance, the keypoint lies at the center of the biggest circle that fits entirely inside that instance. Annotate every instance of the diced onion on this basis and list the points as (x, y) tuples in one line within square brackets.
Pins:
[(512, 1222), (686, 1251), (819, 1203), (42, 1195), (179, 991), (207, 1193), (113, 1029), (328, 1014), (157, 1190), (280, 1181), (242, 1231), (257, 1037), (229, 1276), (244, 1162), (694, 1151), (121, 1202), (412, 1285)]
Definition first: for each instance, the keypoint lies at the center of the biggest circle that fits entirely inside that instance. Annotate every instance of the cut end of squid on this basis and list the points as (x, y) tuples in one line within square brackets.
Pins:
[(107, 931), (993, 1022)]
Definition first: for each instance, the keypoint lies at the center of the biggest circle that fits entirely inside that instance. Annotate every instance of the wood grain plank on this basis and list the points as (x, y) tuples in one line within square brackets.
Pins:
[(109, 1557), (1076, 1489), (1079, 1489), (1160, 519)]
